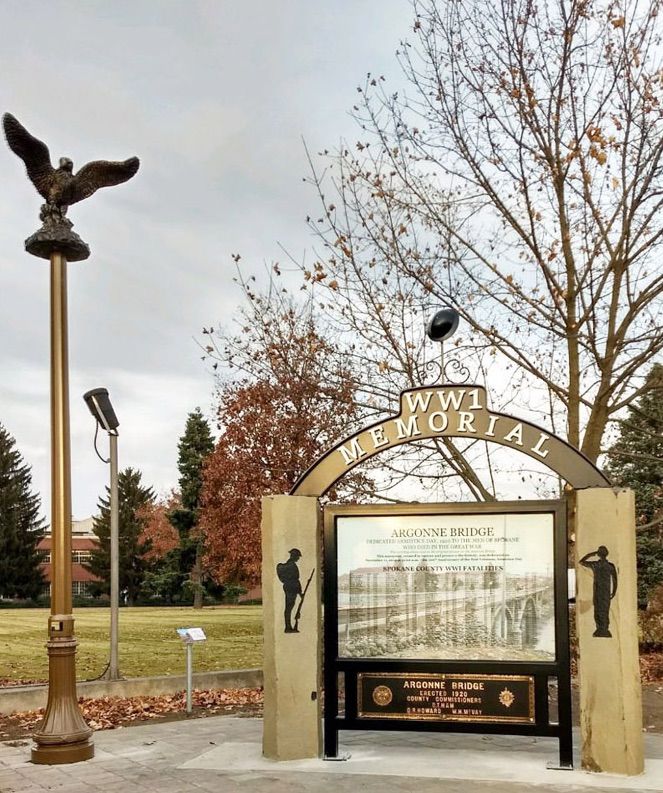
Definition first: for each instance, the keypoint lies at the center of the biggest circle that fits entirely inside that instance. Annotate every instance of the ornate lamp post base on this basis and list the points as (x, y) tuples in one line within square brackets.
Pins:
[(61, 754), (63, 736)]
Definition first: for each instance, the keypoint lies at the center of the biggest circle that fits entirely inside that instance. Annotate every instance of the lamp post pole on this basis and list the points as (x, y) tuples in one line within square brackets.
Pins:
[(114, 666), (100, 407), (63, 736)]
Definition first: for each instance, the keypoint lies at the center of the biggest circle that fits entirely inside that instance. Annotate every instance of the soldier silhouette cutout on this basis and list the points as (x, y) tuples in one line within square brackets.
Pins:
[(605, 588), (288, 575)]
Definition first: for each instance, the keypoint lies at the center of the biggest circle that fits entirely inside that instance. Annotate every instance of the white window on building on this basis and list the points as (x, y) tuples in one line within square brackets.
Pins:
[(78, 557), (80, 588)]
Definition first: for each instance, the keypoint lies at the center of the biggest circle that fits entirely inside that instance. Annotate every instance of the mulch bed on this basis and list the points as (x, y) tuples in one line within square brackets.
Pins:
[(108, 713), (651, 667)]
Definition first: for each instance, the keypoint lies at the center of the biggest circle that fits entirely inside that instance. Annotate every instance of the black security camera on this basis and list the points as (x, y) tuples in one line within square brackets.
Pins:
[(443, 324)]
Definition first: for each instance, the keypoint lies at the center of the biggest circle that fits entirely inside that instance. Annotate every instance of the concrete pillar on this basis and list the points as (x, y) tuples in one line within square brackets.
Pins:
[(607, 628), (292, 727)]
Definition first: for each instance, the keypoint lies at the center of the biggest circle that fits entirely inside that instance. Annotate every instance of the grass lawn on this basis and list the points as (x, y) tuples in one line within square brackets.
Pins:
[(149, 644)]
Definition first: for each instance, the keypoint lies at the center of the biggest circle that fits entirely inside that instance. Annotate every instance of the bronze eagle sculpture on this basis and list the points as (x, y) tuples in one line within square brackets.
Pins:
[(60, 186)]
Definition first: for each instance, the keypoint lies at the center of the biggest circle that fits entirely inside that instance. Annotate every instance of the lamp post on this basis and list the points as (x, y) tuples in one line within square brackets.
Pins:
[(101, 408), (63, 736), (441, 326)]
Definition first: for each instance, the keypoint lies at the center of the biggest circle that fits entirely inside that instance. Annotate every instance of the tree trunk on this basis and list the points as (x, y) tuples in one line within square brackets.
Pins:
[(196, 581), (591, 445)]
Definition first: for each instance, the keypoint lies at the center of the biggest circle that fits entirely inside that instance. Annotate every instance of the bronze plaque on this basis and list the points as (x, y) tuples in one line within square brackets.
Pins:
[(444, 697)]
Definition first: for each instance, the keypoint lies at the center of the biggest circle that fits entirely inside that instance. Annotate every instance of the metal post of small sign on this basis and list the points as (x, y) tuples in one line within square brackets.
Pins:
[(190, 636), (189, 676)]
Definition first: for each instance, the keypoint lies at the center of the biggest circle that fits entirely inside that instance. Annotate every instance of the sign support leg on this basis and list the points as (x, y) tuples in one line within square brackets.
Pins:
[(189, 677)]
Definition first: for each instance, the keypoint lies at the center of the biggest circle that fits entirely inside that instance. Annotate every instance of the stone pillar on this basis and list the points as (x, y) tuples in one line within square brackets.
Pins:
[(292, 727), (607, 628)]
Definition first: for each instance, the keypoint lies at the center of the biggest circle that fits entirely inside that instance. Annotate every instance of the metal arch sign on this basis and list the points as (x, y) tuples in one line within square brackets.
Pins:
[(451, 412)]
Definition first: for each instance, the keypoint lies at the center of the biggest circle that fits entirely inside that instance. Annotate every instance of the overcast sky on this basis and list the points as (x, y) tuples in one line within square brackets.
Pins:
[(214, 97)]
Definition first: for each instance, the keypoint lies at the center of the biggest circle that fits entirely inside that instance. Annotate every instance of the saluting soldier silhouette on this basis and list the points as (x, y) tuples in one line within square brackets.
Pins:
[(288, 574), (605, 588)]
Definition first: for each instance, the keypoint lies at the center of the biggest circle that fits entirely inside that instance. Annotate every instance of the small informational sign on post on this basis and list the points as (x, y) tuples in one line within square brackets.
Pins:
[(190, 636)]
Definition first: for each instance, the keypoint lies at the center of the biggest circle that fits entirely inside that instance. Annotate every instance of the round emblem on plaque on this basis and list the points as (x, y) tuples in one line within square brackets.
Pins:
[(507, 698), (382, 695)]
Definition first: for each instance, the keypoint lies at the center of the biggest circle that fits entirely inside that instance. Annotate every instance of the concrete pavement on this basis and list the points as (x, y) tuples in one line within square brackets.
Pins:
[(222, 754)]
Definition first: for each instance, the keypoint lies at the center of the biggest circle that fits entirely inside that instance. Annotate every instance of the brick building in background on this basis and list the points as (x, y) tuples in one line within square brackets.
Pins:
[(83, 542)]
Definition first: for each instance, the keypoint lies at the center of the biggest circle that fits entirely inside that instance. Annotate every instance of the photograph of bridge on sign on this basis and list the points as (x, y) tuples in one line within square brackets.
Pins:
[(446, 587)]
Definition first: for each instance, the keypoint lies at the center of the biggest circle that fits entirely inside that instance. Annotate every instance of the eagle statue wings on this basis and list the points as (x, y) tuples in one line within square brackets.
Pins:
[(61, 187)]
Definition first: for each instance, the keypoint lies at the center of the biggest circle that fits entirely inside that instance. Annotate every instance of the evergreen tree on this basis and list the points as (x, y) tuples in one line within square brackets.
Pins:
[(195, 445), (636, 461), (133, 497), (21, 528)]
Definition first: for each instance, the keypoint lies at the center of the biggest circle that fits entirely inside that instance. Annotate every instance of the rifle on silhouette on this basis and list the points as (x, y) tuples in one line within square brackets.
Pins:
[(298, 613)]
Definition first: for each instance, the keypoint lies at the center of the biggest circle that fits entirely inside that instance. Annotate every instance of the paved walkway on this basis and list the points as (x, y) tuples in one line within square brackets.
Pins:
[(222, 754)]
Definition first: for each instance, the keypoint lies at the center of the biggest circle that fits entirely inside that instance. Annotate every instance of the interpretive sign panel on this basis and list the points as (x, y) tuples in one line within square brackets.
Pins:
[(447, 617), (470, 698), (191, 635), (473, 587)]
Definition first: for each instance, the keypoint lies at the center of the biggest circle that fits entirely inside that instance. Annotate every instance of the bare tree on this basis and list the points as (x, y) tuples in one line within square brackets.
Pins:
[(518, 178)]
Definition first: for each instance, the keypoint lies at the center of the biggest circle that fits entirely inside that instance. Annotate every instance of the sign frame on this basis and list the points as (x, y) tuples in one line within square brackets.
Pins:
[(355, 669)]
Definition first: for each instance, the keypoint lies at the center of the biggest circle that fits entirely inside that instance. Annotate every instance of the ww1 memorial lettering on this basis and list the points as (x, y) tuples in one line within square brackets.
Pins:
[(453, 617)]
